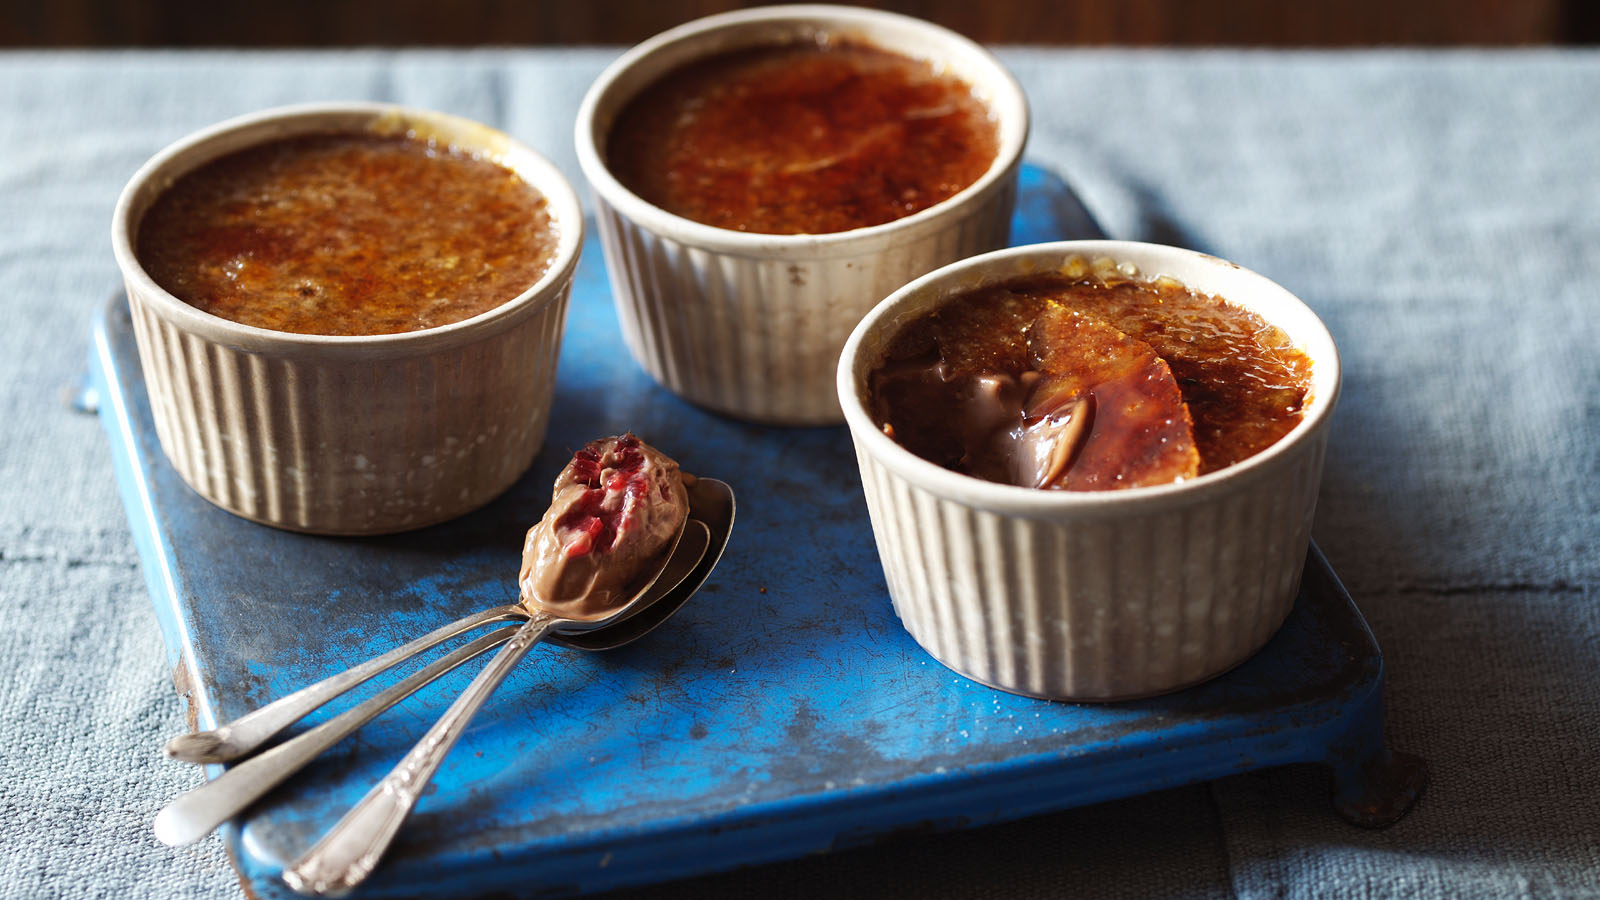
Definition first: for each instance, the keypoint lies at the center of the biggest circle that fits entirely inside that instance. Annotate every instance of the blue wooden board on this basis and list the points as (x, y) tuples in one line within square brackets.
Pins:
[(783, 712)]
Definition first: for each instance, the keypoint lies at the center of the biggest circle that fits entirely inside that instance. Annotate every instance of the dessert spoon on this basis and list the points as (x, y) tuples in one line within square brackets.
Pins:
[(348, 853), (242, 736), (196, 813)]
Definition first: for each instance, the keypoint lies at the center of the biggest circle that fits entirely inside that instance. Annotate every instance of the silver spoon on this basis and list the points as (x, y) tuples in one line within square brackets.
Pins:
[(244, 735), (348, 853), (196, 813)]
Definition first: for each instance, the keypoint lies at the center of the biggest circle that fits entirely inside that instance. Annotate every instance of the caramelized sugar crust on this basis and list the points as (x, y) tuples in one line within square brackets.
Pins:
[(802, 139), (348, 234), (1164, 383)]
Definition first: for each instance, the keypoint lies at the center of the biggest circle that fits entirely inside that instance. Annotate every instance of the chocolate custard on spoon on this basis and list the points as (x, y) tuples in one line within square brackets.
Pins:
[(607, 570), (197, 812), (614, 510), (616, 514)]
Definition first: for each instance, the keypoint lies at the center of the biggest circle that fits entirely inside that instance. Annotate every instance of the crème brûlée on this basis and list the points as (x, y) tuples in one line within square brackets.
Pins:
[(348, 234), (804, 138), (1088, 381)]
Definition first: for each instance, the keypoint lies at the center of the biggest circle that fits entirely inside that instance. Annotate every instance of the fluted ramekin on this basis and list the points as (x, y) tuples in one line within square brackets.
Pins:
[(751, 324), (339, 434), (1093, 596)]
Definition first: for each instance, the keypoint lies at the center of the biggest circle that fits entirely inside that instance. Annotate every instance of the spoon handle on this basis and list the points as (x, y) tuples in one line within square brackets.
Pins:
[(195, 814), (244, 734), (347, 854)]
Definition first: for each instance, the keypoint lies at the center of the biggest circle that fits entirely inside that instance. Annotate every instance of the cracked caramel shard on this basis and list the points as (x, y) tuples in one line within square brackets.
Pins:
[(1142, 433)]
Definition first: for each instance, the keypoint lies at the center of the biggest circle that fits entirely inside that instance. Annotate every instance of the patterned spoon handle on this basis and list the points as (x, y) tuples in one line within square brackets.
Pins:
[(347, 854)]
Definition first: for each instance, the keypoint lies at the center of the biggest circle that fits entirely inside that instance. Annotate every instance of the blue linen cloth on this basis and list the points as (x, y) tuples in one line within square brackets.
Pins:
[(1440, 211)]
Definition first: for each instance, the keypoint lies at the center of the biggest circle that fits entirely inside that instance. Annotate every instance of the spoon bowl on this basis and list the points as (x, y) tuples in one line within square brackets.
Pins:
[(711, 506)]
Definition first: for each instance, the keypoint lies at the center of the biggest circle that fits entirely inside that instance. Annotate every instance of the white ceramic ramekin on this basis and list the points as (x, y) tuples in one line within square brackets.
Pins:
[(751, 324), (349, 435), (1092, 596)]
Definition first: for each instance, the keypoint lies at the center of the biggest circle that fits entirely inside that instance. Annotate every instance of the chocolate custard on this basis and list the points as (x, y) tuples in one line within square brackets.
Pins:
[(1088, 383), (802, 139), (348, 234), (614, 510)]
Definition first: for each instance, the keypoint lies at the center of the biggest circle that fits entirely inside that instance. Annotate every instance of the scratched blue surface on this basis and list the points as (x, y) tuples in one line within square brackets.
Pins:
[(783, 712)]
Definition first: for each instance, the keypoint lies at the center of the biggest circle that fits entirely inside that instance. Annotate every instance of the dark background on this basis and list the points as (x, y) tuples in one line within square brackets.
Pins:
[(1262, 23)]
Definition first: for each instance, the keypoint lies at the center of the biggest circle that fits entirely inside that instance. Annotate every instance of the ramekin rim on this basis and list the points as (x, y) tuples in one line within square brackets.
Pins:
[(1015, 121), (560, 197), (1031, 502)]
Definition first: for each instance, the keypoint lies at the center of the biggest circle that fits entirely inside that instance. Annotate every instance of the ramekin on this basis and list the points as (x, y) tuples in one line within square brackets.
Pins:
[(1092, 596), (349, 435), (751, 325)]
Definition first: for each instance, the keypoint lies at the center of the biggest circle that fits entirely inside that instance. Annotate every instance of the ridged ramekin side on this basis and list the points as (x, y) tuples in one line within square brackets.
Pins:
[(759, 337), (350, 443), (1099, 607)]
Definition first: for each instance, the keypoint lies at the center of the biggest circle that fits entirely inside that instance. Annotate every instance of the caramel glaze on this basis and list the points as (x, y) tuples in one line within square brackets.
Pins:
[(347, 234), (802, 139), (1197, 384)]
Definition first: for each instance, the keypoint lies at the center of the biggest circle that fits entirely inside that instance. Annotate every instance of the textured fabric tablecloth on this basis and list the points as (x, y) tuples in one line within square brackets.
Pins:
[(1441, 211)]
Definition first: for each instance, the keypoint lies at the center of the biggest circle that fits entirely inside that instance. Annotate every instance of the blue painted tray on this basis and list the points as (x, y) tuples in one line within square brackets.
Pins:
[(783, 712)]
